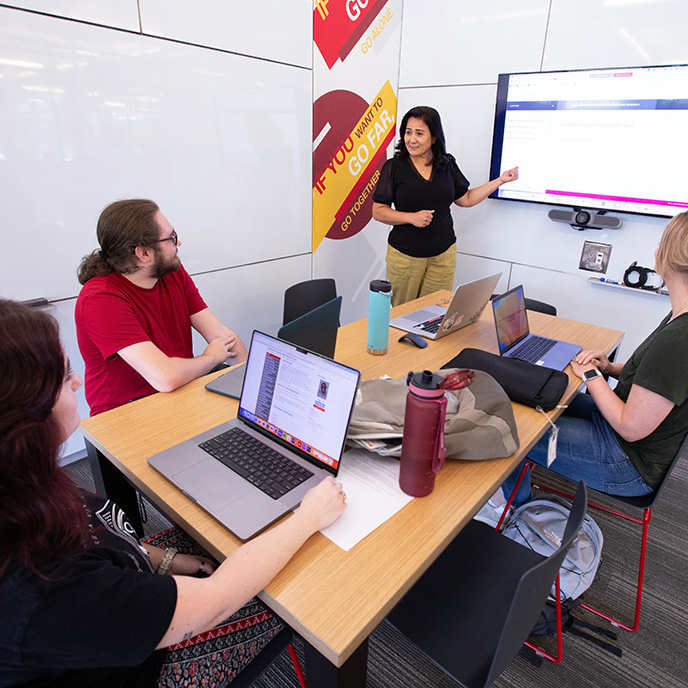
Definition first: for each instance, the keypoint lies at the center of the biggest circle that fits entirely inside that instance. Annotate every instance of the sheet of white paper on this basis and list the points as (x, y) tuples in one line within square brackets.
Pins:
[(373, 495)]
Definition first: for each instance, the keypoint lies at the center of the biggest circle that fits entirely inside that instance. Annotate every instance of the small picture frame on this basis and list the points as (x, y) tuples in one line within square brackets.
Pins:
[(595, 257)]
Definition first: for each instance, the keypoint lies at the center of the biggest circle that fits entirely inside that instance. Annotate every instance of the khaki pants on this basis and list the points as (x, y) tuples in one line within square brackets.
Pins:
[(413, 277)]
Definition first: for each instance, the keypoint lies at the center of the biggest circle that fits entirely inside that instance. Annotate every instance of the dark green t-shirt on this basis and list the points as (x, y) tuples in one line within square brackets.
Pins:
[(659, 364)]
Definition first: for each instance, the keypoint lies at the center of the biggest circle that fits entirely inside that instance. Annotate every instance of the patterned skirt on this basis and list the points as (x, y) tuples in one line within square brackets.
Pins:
[(212, 659)]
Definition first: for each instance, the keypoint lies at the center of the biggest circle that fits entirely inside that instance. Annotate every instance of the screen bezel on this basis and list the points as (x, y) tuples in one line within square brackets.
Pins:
[(522, 308), (498, 141)]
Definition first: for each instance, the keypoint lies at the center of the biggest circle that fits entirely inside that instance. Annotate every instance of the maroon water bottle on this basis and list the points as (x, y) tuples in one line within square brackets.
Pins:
[(422, 446)]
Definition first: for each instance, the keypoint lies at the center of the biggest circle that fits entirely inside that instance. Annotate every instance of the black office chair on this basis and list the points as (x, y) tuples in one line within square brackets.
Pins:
[(476, 605), (539, 306), (645, 504), (316, 330), (303, 297), (266, 657), (534, 305)]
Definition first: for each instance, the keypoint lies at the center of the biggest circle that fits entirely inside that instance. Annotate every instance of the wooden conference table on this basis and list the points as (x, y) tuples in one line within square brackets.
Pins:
[(335, 599)]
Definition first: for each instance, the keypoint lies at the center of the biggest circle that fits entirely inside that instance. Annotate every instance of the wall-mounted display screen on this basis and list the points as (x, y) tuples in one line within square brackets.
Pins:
[(604, 139)]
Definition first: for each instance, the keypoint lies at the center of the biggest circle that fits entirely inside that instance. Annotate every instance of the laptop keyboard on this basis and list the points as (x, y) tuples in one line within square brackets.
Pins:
[(534, 349), (432, 325), (267, 469)]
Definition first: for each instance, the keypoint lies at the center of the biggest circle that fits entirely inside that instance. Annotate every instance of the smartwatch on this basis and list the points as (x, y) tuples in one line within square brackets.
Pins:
[(591, 375)]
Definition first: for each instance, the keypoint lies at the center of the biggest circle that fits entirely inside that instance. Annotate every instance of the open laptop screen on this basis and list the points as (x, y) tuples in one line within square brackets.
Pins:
[(510, 318), (301, 398)]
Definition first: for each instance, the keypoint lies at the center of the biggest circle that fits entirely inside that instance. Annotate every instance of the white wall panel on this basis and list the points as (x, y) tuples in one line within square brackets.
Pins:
[(122, 14), (615, 33), (353, 263), (450, 42), (89, 115), (251, 297), (467, 114), (469, 268), (274, 29), (635, 313)]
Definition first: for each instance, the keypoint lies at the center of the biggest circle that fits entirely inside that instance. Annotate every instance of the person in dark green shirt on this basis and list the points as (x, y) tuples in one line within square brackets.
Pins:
[(622, 441)]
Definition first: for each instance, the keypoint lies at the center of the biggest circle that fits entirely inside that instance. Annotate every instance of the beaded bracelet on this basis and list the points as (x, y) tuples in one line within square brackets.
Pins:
[(166, 561)]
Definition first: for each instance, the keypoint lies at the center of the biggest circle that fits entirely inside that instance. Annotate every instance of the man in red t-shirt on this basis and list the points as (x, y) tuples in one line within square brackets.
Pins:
[(135, 312)]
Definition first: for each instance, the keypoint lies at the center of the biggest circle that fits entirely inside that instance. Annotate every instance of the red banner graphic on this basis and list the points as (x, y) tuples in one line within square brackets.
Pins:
[(339, 24), (352, 137)]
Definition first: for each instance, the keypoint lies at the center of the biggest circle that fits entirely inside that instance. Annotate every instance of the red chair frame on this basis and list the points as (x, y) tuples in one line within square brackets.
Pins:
[(297, 665), (645, 504), (645, 522), (558, 658)]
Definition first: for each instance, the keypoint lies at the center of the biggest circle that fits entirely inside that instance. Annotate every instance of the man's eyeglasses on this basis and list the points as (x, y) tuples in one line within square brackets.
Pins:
[(174, 238)]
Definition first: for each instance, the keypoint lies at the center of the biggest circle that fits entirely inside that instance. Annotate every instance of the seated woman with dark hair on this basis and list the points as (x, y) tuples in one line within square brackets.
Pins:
[(622, 441), (80, 600)]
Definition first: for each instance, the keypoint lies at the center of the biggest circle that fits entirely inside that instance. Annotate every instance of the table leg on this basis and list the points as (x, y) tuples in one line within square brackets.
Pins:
[(111, 484), (321, 673)]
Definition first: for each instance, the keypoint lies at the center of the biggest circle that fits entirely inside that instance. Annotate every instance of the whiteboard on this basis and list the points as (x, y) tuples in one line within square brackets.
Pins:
[(123, 14), (280, 30), (89, 115)]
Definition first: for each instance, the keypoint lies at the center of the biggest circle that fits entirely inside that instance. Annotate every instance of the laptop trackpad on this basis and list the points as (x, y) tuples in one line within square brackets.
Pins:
[(424, 314), (218, 484)]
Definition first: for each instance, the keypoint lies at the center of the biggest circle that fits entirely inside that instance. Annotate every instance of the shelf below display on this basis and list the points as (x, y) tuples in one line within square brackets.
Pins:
[(620, 285)]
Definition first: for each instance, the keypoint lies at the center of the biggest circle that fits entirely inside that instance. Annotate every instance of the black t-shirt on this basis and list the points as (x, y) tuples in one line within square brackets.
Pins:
[(96, 623), (401, 186), (659, 364)]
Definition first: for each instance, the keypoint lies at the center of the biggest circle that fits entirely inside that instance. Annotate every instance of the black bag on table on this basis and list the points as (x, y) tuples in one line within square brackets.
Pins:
[(523, 382)]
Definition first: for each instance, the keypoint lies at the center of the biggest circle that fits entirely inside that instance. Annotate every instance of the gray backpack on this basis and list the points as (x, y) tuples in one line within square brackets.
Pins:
[(540, 523)]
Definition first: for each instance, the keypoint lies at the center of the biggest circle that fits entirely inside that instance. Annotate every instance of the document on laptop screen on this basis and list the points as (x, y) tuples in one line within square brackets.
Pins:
[(302, 395)]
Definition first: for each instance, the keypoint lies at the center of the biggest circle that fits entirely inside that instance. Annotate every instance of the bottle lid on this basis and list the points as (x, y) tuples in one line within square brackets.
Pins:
[(425, 380), (381, 285)]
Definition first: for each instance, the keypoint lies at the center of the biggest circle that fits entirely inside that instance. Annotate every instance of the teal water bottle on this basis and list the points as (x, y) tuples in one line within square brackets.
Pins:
[(379, 305)]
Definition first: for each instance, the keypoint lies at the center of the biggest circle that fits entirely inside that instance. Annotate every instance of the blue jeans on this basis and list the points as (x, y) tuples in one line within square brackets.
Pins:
[(586, 450)]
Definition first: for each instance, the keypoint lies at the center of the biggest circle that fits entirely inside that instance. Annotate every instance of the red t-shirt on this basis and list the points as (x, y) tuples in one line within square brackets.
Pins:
[(113, 313)]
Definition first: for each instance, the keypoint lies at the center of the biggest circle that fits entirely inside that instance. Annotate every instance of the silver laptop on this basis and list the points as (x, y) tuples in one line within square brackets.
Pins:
[(468, 304), (515, 340), (315, 331), (230, 383), (289, 434)]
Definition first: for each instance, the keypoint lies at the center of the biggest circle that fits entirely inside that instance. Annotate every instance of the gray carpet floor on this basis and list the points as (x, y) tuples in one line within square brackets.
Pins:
[(653, 657)]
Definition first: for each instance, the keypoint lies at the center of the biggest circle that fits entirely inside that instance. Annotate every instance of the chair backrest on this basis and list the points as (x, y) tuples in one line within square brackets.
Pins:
[(315, 330), (532, 590), (646, 501), (534, 305), (305, 296), (539, 306)]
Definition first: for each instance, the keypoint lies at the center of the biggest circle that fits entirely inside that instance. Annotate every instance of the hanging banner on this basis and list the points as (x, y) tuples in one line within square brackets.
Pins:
[(355, 79), (343, 184), (339, 24)]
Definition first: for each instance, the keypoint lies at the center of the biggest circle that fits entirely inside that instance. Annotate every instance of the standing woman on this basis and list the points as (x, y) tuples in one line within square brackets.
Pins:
[(422, 181), (81, 600)]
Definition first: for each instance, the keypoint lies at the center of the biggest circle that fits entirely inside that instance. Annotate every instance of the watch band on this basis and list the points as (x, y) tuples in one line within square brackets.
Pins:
[(166, 561)]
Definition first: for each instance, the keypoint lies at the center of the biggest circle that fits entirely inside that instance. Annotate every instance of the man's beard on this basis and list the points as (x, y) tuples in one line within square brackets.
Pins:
[(163, 267)]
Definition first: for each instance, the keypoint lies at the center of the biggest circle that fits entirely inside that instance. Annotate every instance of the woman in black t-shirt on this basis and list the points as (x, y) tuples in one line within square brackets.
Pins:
[(80, 600), (422, 181)]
